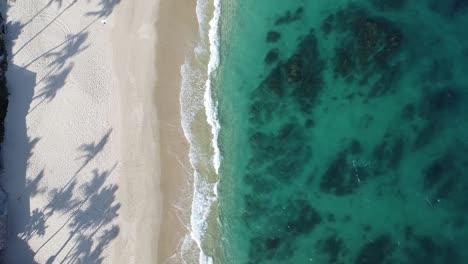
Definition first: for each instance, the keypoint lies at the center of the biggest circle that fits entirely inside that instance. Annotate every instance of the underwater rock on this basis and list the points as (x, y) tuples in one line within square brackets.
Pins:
[(448, 8), (273, 36), (269, 248), (343, 62), (333, 247), (300, 77), (386, 5), (426, 134), (274, 81), (408, 113), (309, 123), (327, 24), (444, 99), (355, 147), (277, 241), (305, 71), (338, 178), (443, 179), (294, 69), (303, 219), (290, 17), (376, 251), (271, 56), (367, 50), (377, 39), (430, 250), (409, 232), (437, 170)]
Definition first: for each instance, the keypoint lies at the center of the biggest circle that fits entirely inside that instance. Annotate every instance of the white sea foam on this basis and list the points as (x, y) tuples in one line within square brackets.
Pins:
[(211, 106), (204, 192)]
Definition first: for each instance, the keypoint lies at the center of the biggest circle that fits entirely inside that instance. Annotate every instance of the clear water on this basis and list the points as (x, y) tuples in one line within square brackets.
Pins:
[(344, 131)]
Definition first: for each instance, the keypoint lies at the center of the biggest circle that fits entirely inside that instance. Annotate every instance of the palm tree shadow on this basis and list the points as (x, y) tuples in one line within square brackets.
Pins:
[(91, 150), (62, 199), (91, 224), (73, 47), (53, 84), (32, 186), (89, 190), (44, 28), (106, 7)]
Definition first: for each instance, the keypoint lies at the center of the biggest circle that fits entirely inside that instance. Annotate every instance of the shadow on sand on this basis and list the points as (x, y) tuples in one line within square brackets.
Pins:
[(89, 208)]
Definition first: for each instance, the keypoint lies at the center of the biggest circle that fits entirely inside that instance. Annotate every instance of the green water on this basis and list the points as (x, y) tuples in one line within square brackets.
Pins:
[(344, 131)]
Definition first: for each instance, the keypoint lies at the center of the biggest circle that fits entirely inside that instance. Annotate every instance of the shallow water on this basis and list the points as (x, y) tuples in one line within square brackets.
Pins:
[(343, 131)]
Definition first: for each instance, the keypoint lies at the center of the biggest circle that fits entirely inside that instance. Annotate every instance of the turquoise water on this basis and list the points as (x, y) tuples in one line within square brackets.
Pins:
[(344, 131)]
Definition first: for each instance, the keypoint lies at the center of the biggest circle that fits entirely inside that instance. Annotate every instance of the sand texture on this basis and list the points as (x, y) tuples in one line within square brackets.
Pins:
[(81, 150)]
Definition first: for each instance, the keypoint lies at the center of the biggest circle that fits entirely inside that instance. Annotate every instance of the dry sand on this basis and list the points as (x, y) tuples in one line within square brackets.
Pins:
[(82, 160)]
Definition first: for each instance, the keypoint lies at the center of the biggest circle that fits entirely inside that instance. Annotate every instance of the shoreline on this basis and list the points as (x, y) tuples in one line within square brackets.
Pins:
[(176, 39)]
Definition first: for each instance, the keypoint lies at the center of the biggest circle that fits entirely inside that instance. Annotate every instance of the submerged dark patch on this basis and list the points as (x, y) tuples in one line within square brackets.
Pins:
[(299, 78), (389, 4), (450, 8), (341, 177), (333, 247), (273, 36), (366, 50), (442, 100), (379, 250), (272, 56), (290, 17), (429, 250), (361, 120), (327, 24), (284, 230)]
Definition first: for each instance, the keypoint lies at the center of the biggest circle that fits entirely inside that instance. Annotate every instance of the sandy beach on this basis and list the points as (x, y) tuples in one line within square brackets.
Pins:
[(82, 149)]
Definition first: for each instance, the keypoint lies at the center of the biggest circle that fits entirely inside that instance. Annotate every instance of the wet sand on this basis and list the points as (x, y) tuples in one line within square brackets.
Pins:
[(177, 30)]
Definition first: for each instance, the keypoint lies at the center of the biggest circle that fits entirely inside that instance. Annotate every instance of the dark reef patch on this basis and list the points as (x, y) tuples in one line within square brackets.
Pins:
[(355, 147), (449, 8), (327, 24), (342, 176), (386, 5), (333, 248), (343, 61), (426, 134), (267, 248), (299, 78), (273, 36), (408, 113), (271, 56), (377, 251), (348, 144), (442, 100), (437, 171), (283, 230), (290, 17), (443, 179), (431, 250), (367, 49)]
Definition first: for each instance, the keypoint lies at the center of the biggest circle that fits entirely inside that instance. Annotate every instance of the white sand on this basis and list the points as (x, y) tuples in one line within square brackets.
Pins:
[(81, 162)]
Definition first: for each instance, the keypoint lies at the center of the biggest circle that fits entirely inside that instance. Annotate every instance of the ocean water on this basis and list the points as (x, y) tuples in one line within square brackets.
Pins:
[(342, 131)]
